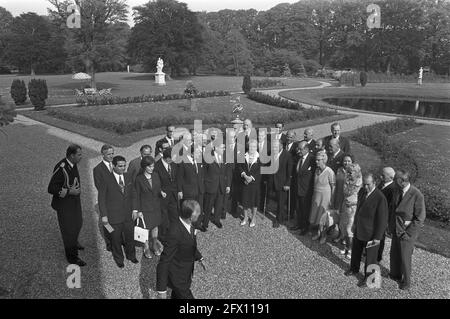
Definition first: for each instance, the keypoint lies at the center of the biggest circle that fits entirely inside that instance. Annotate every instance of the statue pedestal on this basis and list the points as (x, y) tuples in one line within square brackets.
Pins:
[(160, 78)]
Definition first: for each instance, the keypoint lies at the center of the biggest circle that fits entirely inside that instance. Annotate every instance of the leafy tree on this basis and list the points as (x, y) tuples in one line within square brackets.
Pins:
[(6, 19), (168, 29)]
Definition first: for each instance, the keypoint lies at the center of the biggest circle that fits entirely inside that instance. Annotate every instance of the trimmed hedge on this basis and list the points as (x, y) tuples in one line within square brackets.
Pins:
[(126, 126), (395, 154), (286, 104), (110, 100), (247, 84), (266, 83), (18, 92), (38, 93)]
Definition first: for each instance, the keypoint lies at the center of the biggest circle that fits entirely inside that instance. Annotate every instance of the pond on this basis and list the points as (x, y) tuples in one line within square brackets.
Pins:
[(438, 110)]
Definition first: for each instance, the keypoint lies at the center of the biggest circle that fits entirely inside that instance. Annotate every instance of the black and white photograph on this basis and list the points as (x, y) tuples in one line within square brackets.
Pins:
[(234, 152)]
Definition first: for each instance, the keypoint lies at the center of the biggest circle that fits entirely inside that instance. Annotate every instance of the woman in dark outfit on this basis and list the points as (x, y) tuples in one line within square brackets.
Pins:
[(146, 203), (250, 172)]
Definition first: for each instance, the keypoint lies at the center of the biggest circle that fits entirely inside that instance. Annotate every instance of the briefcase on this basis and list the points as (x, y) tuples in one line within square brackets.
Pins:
[(140, 234)]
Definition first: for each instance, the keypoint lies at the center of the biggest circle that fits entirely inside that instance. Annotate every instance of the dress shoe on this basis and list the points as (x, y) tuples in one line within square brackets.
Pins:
[(398, 279), (304, 232), (404, 286), (323, 240), (108, 248), (252, 224), (120, 265), (78, 262), (350, 272), (362, 283), (218, 224), (134, 260), (203, 229), (315, 237), (276, 224), (79, 247), (147, 254)]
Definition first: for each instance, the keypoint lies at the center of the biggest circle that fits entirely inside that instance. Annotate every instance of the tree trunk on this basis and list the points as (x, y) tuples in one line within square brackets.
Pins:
[(388, 67)]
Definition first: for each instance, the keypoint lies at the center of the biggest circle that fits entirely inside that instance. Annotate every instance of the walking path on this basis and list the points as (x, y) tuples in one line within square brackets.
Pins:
[(261, 262)]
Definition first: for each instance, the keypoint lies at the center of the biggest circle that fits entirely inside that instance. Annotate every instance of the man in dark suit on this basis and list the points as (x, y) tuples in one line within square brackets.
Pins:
[(369, 225), (280, 181), (101, 173), (308, 135), (116, 206), (304, 179), (231, 159), (336, 157), (389, 188), (336, 133), (176, 265), (291, 146), (244, 137), (409, 217), (280, 135), (167, 173), (65, 187), (135, 165), (169, 139), (190, 180), (264, 151), (217, 185)]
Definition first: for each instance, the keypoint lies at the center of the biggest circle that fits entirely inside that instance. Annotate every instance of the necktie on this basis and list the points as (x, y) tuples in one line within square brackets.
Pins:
[(192, 231), (400, 198), (121, 184), (299, 164), (169, 170)]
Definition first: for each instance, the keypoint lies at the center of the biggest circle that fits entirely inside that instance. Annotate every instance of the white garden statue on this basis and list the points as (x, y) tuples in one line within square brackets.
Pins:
[(419, 82), (160, 76), (159, 65)]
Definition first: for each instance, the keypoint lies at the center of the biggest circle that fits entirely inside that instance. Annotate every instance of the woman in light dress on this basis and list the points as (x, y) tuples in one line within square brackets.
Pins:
[(323, 195)]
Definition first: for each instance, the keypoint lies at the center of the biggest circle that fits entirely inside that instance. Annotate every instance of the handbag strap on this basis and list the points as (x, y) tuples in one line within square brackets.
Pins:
[(143, 222)]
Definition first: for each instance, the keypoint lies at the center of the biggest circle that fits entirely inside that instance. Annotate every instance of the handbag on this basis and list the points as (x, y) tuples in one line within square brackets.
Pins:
[(140, 234)]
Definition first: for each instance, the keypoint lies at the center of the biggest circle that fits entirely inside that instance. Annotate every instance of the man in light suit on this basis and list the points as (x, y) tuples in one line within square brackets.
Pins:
[(409, 217), (336, 133), (101, 173), (135, 165), (336, 157), (370, 223), (176, 265), (308, 135), (116, 206)]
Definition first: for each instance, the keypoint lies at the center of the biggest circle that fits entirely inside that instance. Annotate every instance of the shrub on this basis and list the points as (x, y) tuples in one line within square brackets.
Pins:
[(19, 92), (363, 78), (38, 93), (348, 79), (190, 90), (266, 83), (7, 113), (246, 84), (395, 154)]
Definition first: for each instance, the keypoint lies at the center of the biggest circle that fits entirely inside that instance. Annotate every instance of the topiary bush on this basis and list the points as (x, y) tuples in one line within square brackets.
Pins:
[(363, 78), (7, 113), (246, 84), (38, 93), (19, 92)]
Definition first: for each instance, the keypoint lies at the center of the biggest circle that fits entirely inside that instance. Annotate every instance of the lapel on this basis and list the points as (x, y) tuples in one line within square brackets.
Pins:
[(305, 164), (184, 230), (147, 184), (407, 195), (117, 184)]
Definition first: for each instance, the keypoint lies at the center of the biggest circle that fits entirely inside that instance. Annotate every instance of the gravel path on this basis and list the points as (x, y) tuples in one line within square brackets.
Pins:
[(242, 262)]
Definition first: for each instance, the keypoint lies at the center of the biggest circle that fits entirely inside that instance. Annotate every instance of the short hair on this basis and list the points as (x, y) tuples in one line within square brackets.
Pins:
[(147, 161), (72, 149), (349, 155), (404, 175), (282, 124), (188, 207), (117, 159), (335, 141), (367, 175), (145, 146), (303, 144), (105, 148), (335, 124), (167, 153), (170, 125), (322, 154), (390, 171)]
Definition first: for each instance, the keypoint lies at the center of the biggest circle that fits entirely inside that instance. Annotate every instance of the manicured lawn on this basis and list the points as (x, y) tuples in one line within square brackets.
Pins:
[(437, 92), (61, 87)]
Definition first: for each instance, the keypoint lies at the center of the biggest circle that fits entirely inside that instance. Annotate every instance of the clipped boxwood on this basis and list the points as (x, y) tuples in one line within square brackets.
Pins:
[(18, 92), (38, 93), (246, 84)]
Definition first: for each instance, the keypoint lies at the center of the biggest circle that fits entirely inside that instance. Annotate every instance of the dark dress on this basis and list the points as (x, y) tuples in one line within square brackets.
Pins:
[(146, 199), (250, 192)]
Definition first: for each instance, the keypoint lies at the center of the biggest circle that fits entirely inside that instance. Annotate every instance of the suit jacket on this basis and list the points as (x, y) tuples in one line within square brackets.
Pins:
[(293, 149), (63, 176), (217, 177), (343, 142), (312, 146), (134, 168), (335, 162), (146, 198), (168, 183), (411, 208), (304, 177), (371, 215), (189, 181), (176, 265), (100, 172), (114, 204), (283, 175), (390, 192)]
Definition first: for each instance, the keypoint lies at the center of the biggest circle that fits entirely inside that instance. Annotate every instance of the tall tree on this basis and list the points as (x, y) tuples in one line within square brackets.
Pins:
[(100, 38), (168, 29), (6, 20)]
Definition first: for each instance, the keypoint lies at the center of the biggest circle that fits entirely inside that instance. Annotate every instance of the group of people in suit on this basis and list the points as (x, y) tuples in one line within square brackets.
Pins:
[(187, 185)]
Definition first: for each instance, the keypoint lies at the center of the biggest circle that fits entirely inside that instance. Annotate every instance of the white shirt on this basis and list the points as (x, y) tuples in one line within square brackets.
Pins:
[(406, 189), (368, 194), (387, 184), (108, 165), (186, 225), (170, 141), (70, 163), (336, 154), (289, 146), (117, 176), (166, 165), (277, 156), (216, 155)]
